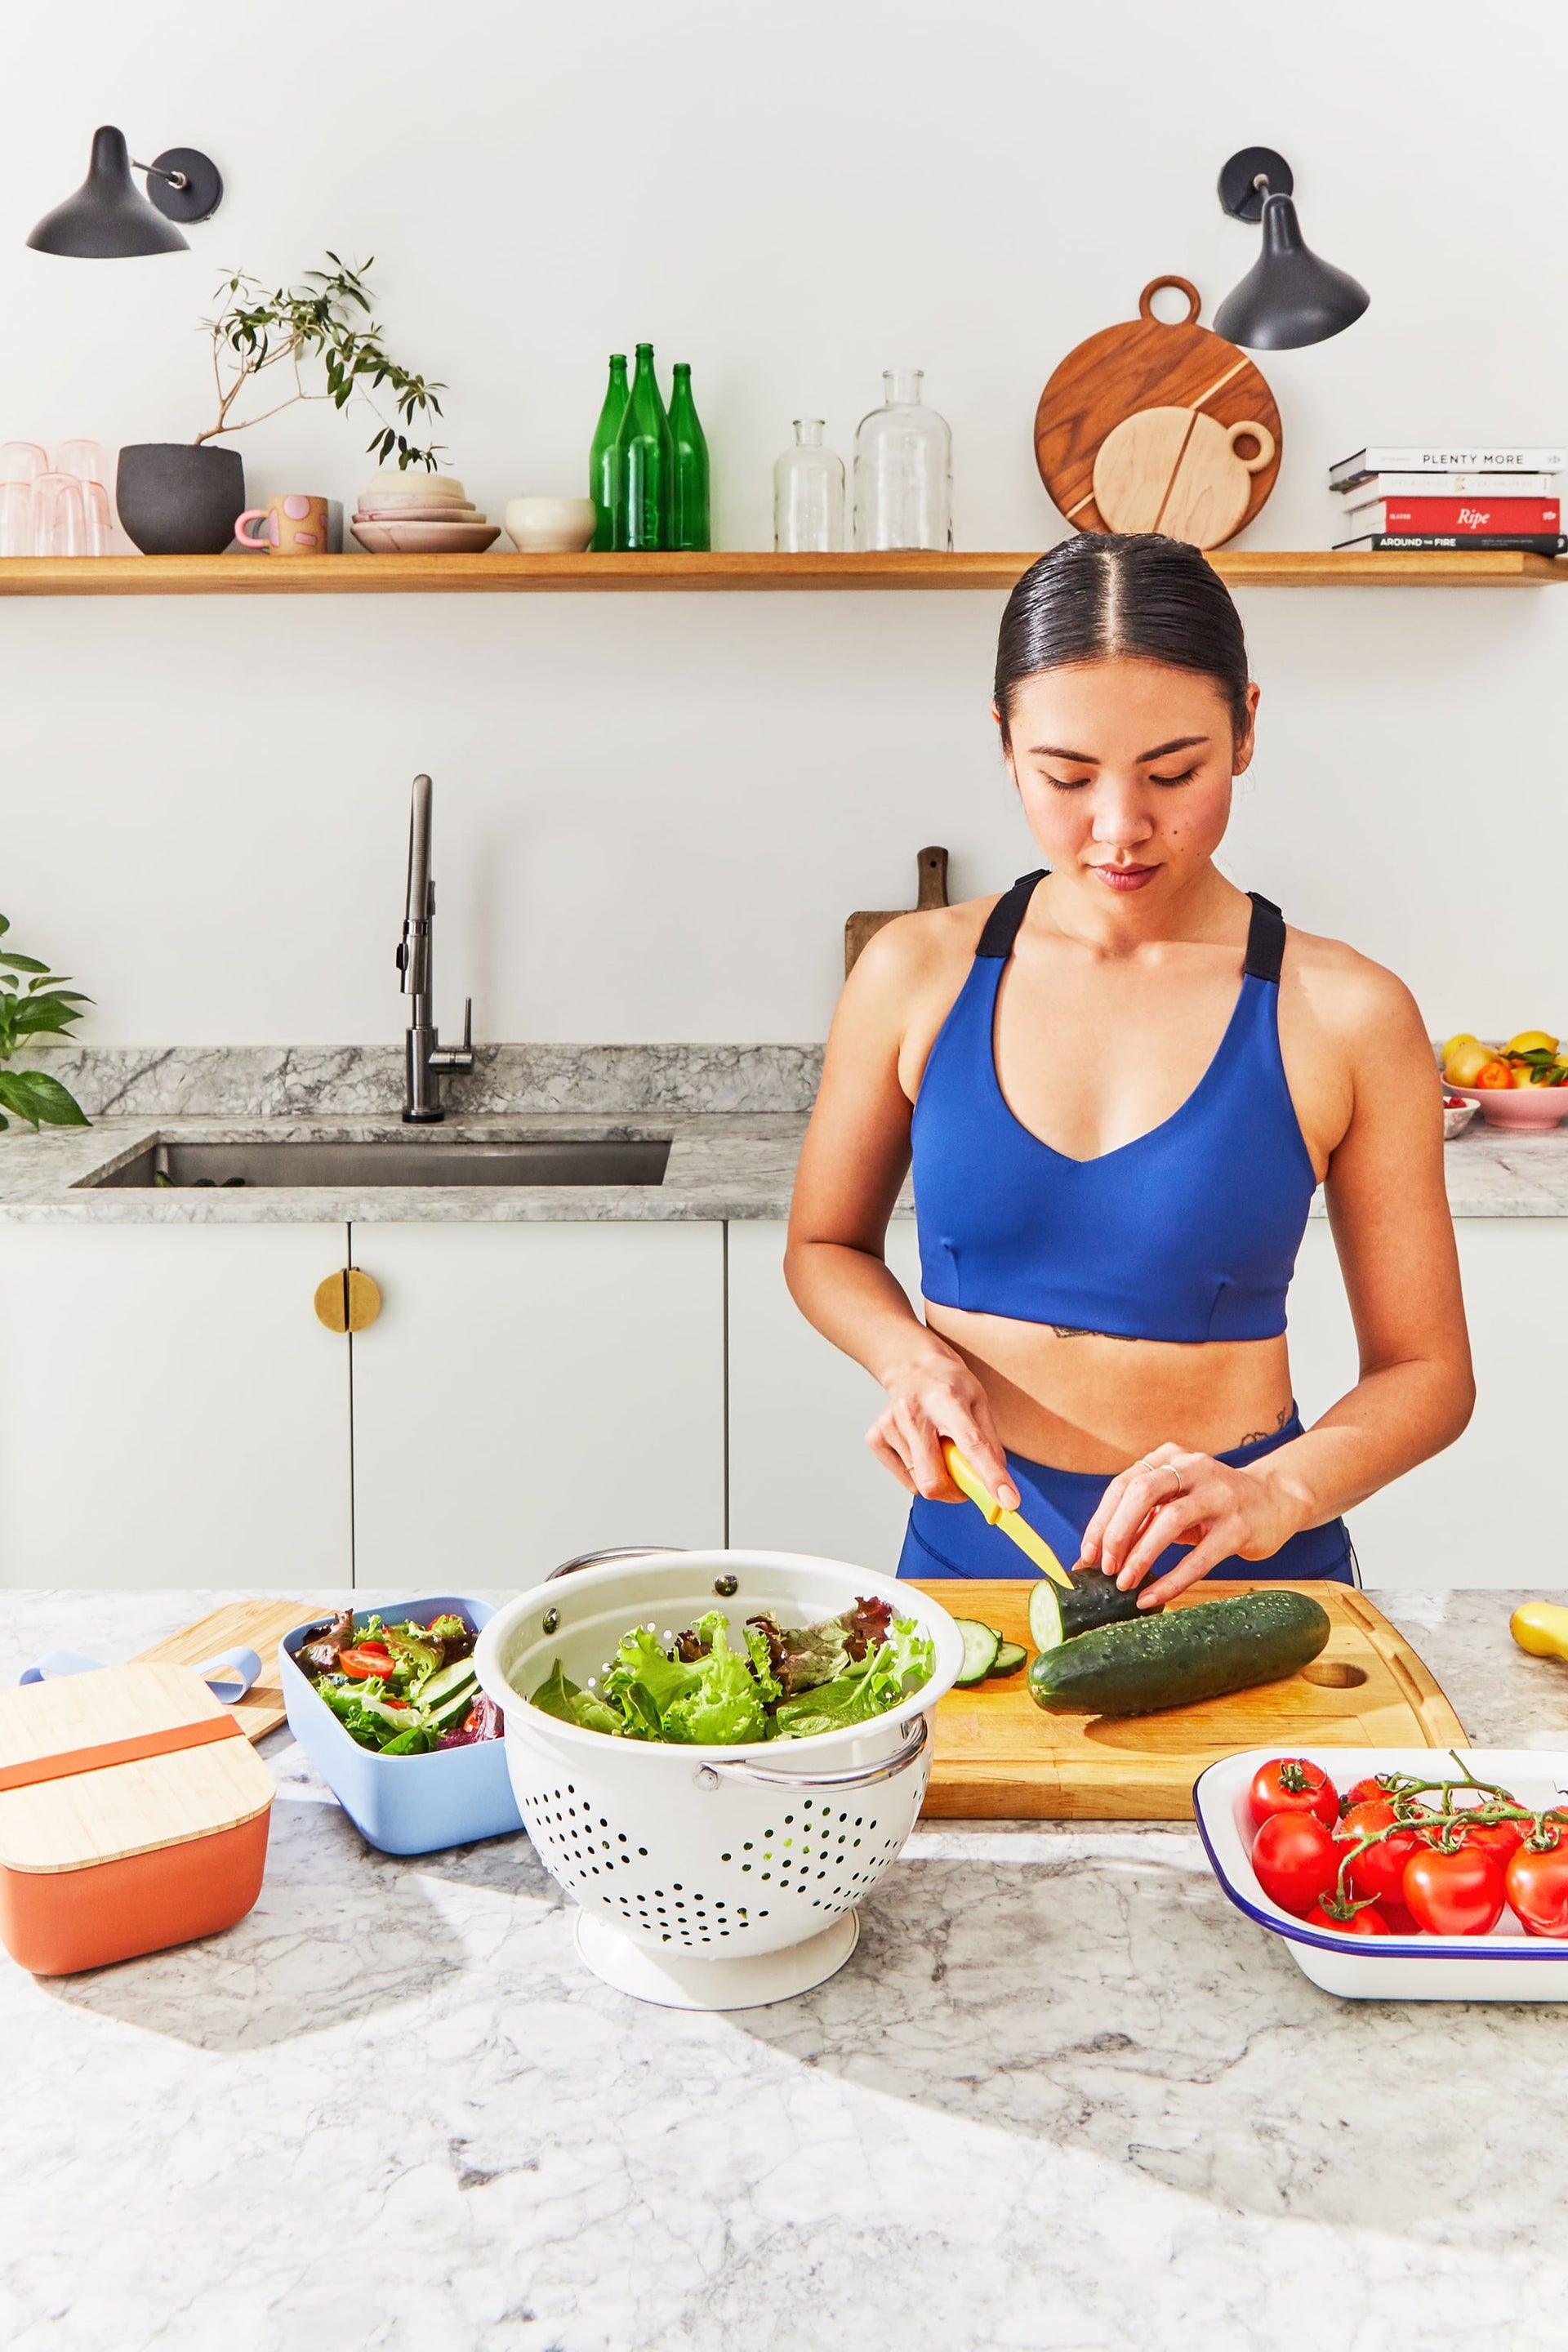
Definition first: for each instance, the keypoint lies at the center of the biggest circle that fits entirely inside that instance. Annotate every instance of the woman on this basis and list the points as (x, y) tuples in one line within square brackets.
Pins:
[(1122, 1083)]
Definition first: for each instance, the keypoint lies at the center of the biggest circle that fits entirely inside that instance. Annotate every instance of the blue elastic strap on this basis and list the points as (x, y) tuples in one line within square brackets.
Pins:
[(229, 1676)]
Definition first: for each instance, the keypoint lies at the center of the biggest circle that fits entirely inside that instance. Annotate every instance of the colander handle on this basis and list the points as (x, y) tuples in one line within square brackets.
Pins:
[(859, 1776)]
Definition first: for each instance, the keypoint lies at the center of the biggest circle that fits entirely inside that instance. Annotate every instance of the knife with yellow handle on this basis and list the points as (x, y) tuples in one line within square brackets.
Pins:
[(1034, 1546), (1541, 1628)]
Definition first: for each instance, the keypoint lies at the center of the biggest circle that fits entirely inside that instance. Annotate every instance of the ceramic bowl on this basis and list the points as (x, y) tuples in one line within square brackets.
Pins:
[(426, 537), (384, 511), (550, 526), (412, 483), (1457, 1117), (1525, 1109)]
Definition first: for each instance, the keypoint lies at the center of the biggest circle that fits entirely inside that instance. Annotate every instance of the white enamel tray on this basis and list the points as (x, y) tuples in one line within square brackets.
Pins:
[(1507, 1964)]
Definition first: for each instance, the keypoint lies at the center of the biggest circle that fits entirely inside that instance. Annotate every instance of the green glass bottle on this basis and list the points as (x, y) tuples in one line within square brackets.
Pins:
[(688, 498), (644, 463), (602, 456)]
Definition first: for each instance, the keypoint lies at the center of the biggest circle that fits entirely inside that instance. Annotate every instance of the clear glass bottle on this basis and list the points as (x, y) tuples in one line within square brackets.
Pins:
[(645, 461), (688, 524), (602, 454), (903, 470), (808, 495)]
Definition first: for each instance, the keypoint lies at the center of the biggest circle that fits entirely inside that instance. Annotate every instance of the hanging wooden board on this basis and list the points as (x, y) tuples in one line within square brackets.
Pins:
[(998, 1756), (1147, 417), (930, 887)]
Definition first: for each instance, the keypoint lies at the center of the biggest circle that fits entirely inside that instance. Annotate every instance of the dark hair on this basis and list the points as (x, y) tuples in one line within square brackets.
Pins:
[(1101, 594)]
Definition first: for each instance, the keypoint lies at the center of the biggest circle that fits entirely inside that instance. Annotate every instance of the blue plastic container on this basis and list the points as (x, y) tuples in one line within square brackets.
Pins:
[(402, 1804)]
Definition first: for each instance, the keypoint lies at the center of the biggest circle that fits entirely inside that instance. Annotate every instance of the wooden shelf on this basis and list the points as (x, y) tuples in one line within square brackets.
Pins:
[(423, 575)]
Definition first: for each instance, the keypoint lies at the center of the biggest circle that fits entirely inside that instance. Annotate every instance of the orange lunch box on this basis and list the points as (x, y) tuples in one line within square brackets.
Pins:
[(133, 1815)]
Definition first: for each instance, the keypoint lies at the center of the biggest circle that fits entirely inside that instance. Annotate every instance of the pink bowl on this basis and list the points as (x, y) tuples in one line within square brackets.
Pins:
[(1525, 1109)]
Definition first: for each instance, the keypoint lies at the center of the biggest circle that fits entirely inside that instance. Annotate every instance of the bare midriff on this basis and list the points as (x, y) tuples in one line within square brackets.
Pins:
[(1083, 1400)]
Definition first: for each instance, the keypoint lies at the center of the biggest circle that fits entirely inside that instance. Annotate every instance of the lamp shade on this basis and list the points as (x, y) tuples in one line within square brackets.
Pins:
[(109, 218), (1289, 296)]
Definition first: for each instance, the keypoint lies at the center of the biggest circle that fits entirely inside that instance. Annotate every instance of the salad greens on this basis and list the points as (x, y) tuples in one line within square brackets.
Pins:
[(404, 1689), (701, 1690)]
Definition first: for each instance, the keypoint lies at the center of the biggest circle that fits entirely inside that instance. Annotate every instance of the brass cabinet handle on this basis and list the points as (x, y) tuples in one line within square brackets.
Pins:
[(349, 1300)]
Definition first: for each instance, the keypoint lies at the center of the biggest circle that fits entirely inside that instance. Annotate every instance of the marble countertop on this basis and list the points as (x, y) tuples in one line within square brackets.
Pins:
[(1062, 2097), (723, 1164)]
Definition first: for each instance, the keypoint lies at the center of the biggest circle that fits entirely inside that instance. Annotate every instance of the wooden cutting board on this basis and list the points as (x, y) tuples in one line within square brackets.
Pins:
[(1000, 1756), (258, 1625), (930, 877), (1177, 475)]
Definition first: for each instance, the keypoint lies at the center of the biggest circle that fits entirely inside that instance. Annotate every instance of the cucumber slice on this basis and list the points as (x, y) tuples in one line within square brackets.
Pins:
[(1009, 1658), (981, 1646), (1180, 1656), (457, 1676), (1057, 1616), (454, 1707)]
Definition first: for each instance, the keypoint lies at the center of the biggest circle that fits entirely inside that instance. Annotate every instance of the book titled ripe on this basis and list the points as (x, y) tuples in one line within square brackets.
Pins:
[(1489, 518)]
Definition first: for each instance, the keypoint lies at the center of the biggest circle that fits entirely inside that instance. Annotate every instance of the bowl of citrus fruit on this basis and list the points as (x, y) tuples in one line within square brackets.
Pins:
[(1521, 1084)]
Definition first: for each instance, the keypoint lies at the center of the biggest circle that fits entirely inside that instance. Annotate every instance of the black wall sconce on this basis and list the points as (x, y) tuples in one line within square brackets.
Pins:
[(109, 218), (1289, 296)]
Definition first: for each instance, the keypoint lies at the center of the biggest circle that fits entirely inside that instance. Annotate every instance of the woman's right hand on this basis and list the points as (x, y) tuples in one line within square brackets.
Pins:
[(932, 1396)]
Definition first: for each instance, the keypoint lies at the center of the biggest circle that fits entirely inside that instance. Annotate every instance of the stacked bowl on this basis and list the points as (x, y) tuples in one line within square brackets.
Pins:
[(420, 514)]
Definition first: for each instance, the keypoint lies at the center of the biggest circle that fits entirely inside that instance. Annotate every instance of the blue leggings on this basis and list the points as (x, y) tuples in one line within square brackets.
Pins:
[(952, 1539)]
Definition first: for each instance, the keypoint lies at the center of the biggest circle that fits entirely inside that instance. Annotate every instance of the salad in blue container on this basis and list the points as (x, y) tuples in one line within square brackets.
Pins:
[(386, 1704)]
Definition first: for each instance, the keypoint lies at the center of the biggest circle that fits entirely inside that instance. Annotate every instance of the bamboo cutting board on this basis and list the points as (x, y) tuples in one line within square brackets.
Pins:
[(998, 1756), (258, 1625)]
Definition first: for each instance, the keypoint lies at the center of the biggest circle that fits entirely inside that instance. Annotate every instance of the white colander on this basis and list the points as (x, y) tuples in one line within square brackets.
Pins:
[(691, 1865)]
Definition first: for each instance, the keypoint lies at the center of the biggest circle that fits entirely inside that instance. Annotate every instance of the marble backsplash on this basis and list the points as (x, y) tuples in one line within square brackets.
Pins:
[(276, 1081)]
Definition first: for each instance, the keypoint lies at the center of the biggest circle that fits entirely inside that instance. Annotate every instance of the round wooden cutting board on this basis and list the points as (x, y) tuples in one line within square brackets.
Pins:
[(1143, 365)]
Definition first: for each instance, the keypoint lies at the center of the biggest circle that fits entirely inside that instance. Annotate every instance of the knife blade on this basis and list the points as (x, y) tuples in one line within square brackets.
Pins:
[(1033, 1546)]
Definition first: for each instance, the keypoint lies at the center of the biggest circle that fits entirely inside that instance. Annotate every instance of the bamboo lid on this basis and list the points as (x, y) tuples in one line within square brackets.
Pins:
[(97, 1767)]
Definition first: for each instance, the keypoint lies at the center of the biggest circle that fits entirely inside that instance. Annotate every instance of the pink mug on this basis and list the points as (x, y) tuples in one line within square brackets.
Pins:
[(296, 524)]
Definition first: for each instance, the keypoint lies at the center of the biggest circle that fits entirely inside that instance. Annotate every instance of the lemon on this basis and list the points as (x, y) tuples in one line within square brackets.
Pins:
[(1463, 1061), (1461, 1037), (1532, 1041)]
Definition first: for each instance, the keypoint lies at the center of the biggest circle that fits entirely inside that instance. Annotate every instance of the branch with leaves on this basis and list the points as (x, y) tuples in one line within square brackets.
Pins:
[(328, 318), (44, 1007)]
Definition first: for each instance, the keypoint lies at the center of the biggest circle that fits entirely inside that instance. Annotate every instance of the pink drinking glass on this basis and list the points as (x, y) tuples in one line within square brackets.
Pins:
[(22, 461), (99, 521), (87, 460), (60, 516), (16, 518)]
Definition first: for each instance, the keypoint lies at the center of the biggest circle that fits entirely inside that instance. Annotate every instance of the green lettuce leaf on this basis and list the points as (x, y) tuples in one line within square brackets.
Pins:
[(722, 1702), (871, 1686), (558, 1697)]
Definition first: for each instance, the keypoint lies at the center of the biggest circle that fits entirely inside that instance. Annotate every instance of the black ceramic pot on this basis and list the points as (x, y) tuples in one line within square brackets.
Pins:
[(175, 499)]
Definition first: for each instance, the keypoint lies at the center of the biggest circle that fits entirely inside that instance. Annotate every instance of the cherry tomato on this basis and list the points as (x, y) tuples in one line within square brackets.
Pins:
[(1458, 1894), (1370, 1792), (1538, 1890), (1501, 1840), (1398, 1919), (1289, 1784), (1296, 1860), (1380, 1871), (365, 1659), (1370, 1922)]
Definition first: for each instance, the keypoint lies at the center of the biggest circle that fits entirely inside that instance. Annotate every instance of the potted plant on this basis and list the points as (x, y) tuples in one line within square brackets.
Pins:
[(43, 1008), (178, 497)]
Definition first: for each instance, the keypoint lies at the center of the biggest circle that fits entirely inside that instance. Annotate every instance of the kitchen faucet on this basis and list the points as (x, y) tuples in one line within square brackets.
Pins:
[(427, 1058)]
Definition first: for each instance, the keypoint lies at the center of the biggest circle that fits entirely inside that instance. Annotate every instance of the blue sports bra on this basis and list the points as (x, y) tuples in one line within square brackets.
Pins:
[(1188, 1232)]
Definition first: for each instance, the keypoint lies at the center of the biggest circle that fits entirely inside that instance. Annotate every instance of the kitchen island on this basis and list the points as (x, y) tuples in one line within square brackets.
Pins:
[(1062, 2096)]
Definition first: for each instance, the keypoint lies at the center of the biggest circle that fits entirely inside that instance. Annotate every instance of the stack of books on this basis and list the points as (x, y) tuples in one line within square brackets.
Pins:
[(1399, 496)]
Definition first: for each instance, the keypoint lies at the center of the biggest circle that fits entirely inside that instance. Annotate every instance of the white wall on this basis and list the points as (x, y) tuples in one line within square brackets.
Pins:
[(653, 813)]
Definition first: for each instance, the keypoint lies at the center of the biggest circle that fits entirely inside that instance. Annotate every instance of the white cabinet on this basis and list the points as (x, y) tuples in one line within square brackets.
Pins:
[(530, 1392), (171, 1410), (801, 1475), (1486, 1512)]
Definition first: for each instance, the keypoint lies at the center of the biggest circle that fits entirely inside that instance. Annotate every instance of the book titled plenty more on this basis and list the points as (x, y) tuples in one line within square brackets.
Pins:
[(1412, 457)]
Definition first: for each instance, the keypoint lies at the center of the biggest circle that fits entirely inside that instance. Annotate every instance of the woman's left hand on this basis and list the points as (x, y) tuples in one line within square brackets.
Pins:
[(1223, 1513)]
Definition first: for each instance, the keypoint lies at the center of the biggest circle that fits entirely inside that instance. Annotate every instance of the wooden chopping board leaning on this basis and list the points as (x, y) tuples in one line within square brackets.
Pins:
[(1157, 426), (930, 873)]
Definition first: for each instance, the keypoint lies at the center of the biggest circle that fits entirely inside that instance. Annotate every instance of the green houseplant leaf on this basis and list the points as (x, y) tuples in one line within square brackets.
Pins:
[(43, 1010)]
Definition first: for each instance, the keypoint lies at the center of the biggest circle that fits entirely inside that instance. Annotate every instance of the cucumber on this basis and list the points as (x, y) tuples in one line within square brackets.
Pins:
[(1009, 1658), (981, 1646), (453, 1706), (1057, 1616), (1184, 1655), (446, 1679)]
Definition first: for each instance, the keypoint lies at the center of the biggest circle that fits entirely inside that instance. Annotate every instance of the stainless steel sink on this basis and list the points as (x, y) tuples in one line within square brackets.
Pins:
[(396, 1160)]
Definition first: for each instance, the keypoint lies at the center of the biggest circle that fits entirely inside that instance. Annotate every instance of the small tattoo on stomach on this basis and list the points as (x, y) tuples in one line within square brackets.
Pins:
[(1257, 1437), (1081, 1331)]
